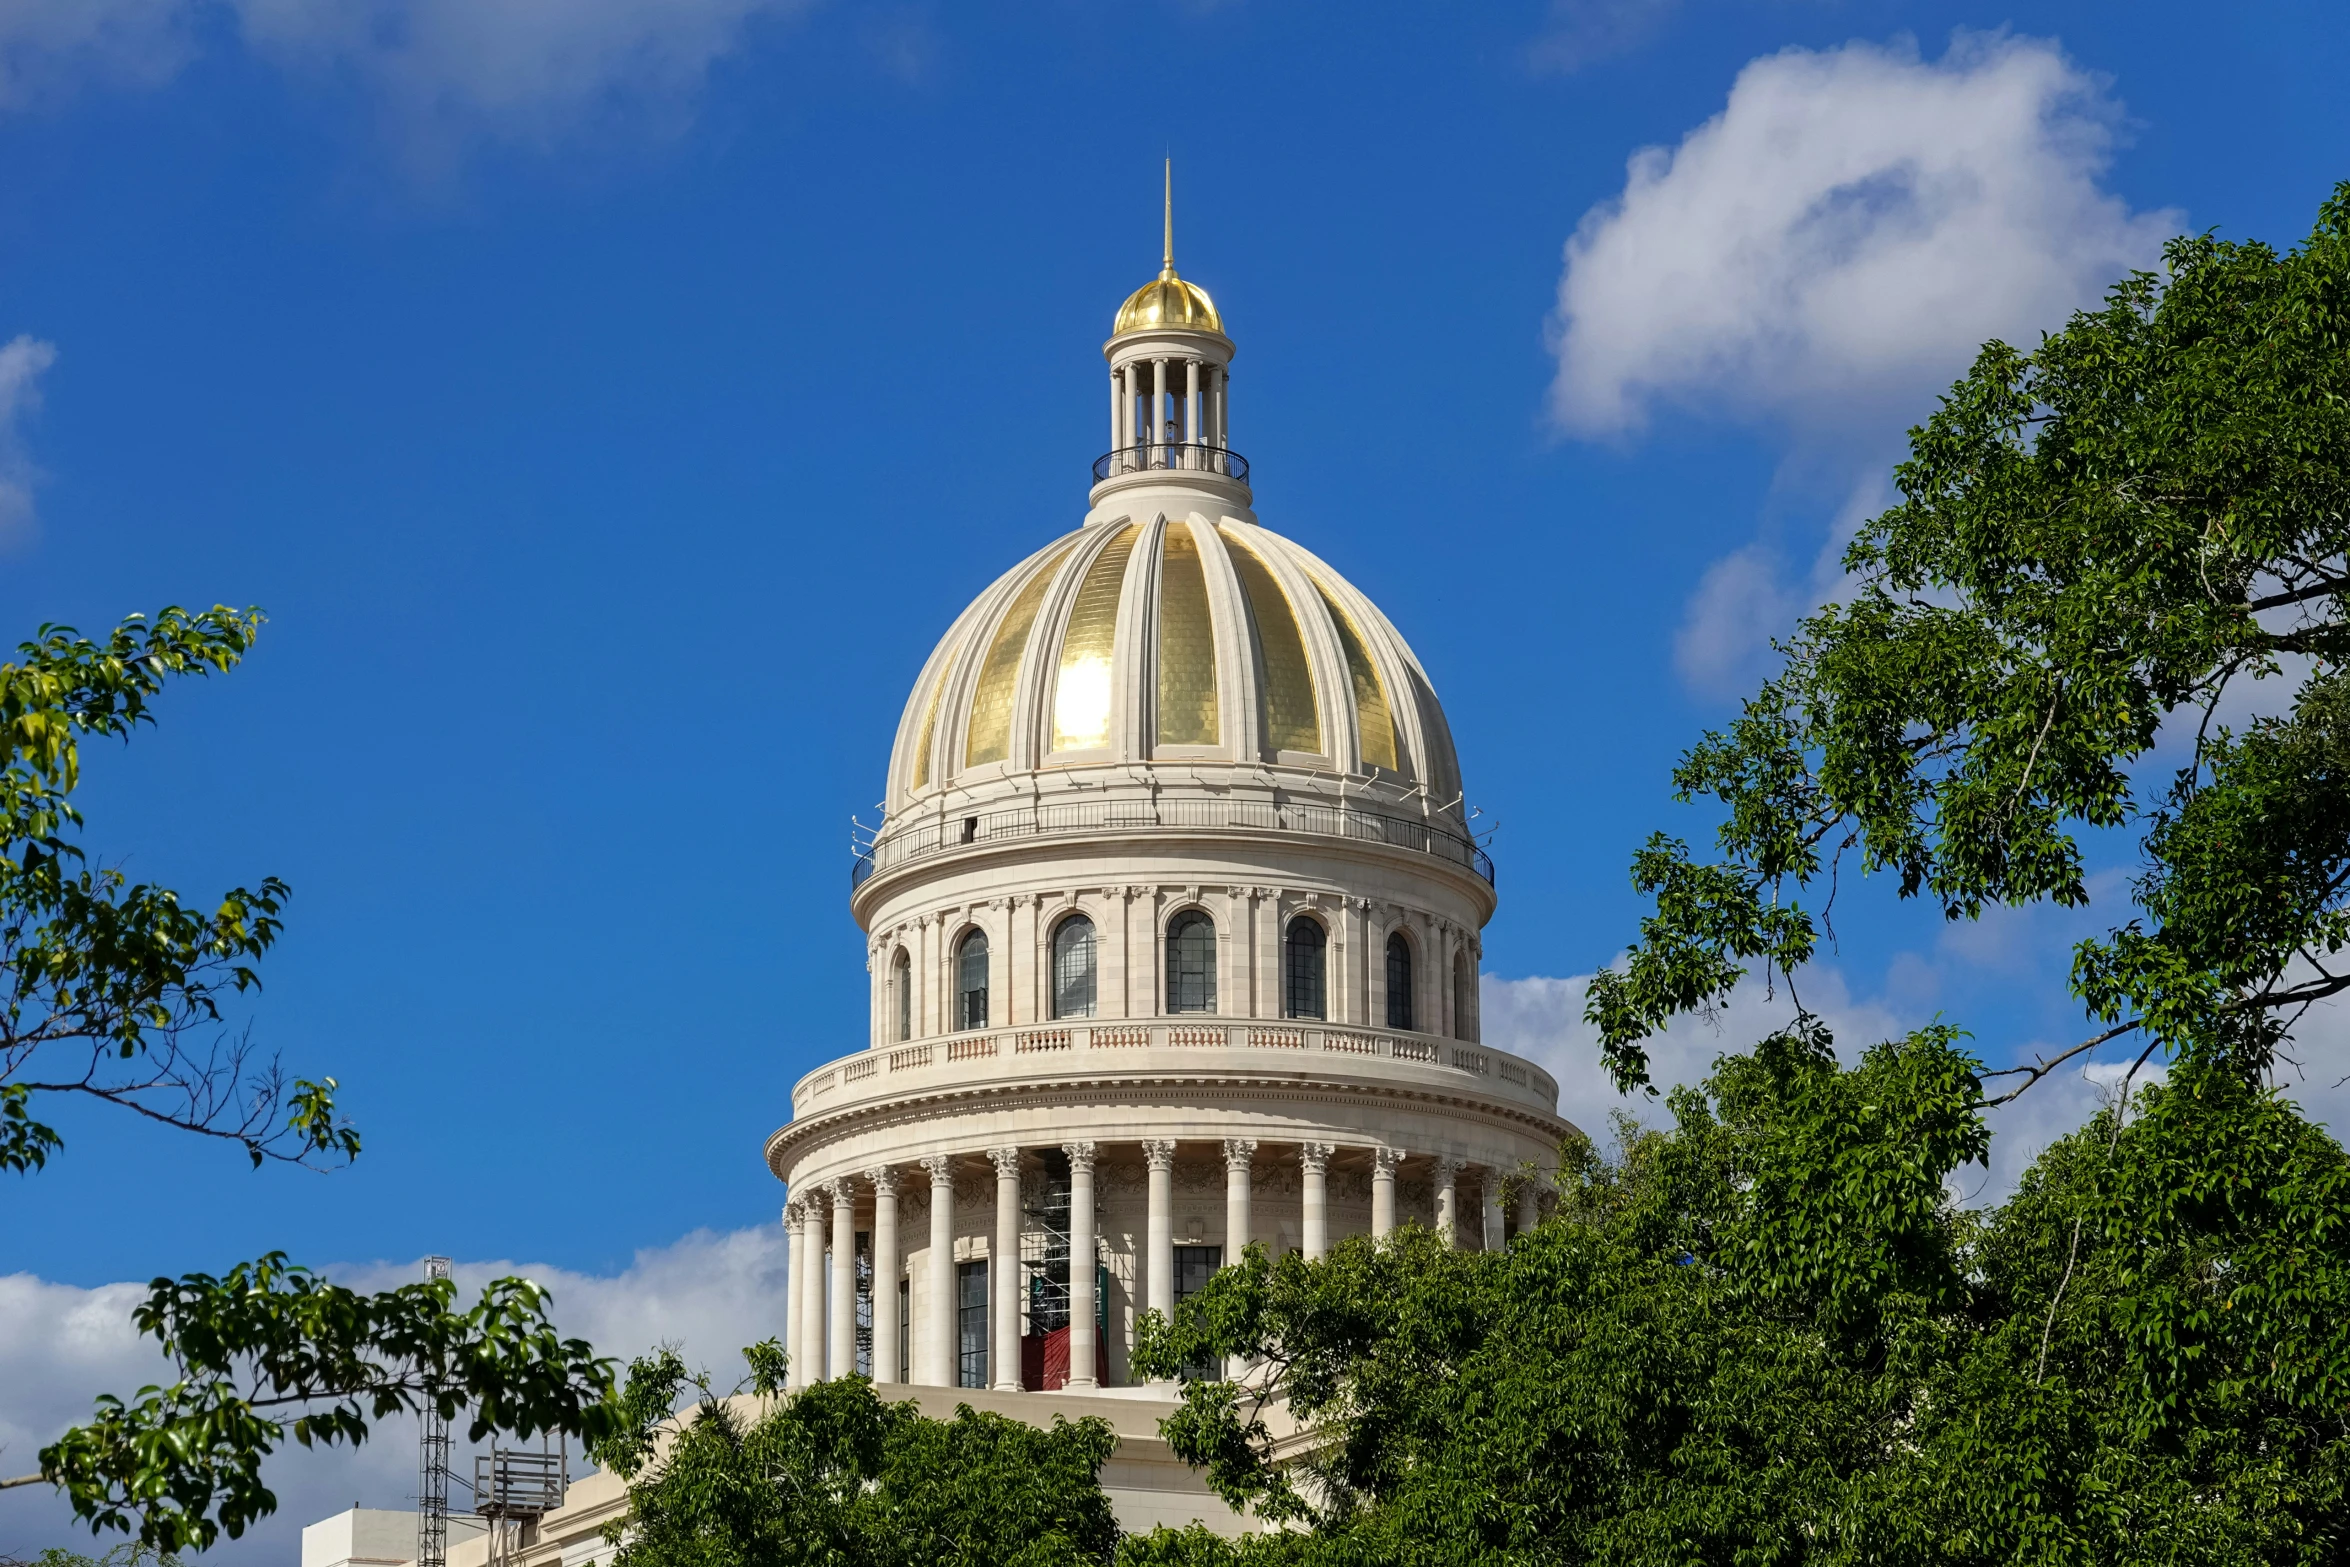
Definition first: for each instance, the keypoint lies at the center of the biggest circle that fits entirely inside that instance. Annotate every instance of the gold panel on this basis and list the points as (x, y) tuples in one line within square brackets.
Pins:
[(930, 725), (1372, 715), (1188, 714), (990, 735), (1292, 720), (1081, 693)]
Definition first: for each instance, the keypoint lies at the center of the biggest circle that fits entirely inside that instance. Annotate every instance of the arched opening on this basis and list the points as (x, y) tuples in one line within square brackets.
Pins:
[(971, 981), (1464, 996), (1399, 981), (901, 995), (1191, 963), (1304, 952), (1073, 967)]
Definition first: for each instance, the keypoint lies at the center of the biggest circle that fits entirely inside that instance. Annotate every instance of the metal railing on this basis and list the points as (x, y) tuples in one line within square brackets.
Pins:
[(933, 835), (1181, 456)]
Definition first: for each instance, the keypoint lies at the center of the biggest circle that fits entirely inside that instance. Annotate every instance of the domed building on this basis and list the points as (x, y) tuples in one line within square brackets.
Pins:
[(1173, 926)]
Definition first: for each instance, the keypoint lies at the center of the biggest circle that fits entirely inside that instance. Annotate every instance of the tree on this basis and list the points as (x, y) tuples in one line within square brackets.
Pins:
[(831, 1474), (1767, 1335), (2097, 544), (113, 992)]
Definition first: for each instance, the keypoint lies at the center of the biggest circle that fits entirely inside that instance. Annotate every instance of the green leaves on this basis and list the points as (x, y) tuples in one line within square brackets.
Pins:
[(271, 1350), (2095, 538)]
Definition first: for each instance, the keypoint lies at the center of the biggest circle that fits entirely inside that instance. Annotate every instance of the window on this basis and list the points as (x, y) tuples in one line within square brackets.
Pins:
[(1464, 997), (905, 1330), (1191, 963), (970, 1324), (1194, 1266), (864, 1311), (1399, 981), (901, 986), (1302, 953), (971, 981), (1073, 967)]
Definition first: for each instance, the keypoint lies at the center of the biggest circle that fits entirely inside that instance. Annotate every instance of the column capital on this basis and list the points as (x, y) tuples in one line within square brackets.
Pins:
[(885, 1180), (1159, 1153), (1315, 1156), (791, 1214), (1081, 1156), (1384, 1161), (1006, 1162), (1238, 1153), (1448, 1170), (844, 1192), (942, 1170)]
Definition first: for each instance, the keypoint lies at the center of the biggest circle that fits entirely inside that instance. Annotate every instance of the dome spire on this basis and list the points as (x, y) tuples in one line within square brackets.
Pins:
[(1167, 268)]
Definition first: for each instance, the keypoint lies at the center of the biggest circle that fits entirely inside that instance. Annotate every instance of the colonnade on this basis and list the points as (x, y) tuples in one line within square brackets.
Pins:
[(821, 1313), (1145, 392)]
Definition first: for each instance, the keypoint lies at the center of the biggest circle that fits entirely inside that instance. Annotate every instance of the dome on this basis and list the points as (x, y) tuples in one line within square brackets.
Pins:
[(1173, 639), (1168, 301)]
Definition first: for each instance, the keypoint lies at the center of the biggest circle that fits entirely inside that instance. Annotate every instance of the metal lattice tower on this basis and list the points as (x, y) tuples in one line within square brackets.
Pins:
[(432, 1476)]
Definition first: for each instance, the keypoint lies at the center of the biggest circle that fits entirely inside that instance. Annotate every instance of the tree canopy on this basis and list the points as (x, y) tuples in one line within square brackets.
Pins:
[(2104, 548), (113, 993)]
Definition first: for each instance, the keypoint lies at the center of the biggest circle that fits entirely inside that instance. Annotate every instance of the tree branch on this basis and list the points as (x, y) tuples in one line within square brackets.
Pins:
[(2033, 1074)]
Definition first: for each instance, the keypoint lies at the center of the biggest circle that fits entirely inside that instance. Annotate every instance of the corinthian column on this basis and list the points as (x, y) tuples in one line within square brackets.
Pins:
[(1158, 1279), (1383, 1163), (1003, 1274), (939, 1329), (795, 1288), (1314, 1178), (1083, 1331), (841, 1355), (1494, 1238), (885, 1275), (1448, 1180)]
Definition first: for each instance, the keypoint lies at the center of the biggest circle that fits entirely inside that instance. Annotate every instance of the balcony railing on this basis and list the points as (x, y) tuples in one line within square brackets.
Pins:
[(933, 835), (953, 1054), (1180, 456)]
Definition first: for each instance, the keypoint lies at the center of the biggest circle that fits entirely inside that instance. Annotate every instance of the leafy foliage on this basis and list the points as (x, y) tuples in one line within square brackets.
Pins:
[(833, 1475), (112, 990), (2095, 540), (1766, 1335)]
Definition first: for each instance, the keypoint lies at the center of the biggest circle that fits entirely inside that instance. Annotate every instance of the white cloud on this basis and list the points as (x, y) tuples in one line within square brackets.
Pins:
[(22, 363), (1844, 234), (1821, 258), (60, 1346), (526, 69), (1582, 32)]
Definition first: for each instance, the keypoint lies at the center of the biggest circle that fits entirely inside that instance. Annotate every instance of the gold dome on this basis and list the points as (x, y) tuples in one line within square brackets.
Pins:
[(1168, 301)]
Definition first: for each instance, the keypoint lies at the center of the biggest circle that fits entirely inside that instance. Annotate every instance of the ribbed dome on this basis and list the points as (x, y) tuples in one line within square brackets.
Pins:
[(1171, 640), (1168, 301)]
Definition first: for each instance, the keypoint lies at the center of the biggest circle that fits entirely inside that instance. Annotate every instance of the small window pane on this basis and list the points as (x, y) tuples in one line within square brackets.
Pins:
[(1073, 967), (1191, 963), (1303, 967), (970, 1324), (1399, 982), (971, 981)]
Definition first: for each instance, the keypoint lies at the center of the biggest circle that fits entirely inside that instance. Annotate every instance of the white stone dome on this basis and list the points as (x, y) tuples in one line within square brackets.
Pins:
[(1190, 639)]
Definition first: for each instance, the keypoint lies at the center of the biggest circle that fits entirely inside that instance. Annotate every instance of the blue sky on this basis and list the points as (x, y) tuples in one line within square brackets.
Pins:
[(610, 404)]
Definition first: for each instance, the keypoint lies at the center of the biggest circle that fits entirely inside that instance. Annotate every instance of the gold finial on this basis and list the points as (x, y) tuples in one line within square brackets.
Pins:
[(1167, 269)]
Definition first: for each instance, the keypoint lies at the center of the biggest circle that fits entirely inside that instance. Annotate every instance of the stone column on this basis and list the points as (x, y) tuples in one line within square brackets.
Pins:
[(812, 1211), (794, 1289), (1314, 1179), (1003, 1275), (1238, 1153), (1158, 1276), (1083, 1331), (938, 1330), (885, 1275), (1448, 1179), (1117, 413), (1158, 430), (1495, 1239), (1383, 1163), (840, 1358), (1529, 1207), (1192, 428)]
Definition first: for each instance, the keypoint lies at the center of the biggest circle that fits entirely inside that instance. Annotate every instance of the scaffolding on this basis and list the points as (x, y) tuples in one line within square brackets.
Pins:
[(432, 1469), (513, 1490)]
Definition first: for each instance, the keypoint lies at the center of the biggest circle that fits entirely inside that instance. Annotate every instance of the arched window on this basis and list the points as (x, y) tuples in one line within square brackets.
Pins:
[(1464, 996), (1191, 963), (1073, 967), (1399, 981), (971, 981), (901, 994), (1302, 953)]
